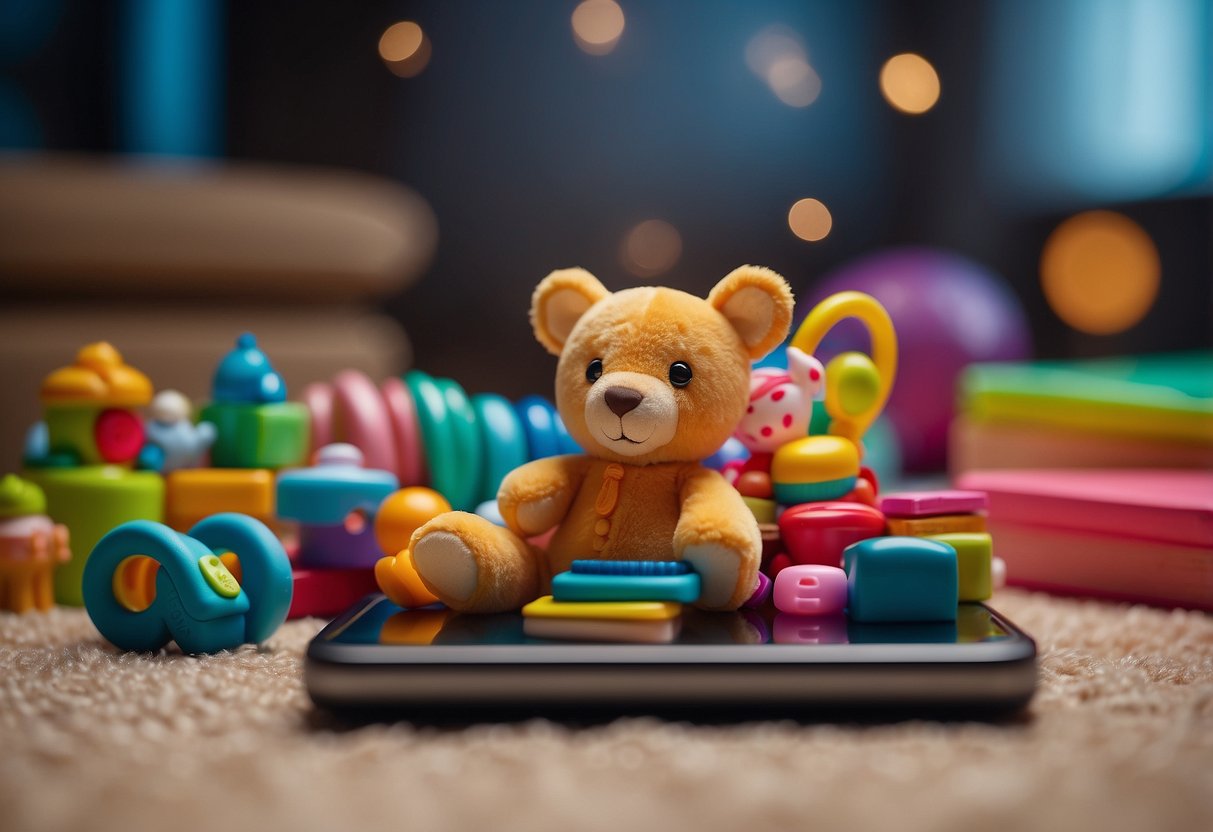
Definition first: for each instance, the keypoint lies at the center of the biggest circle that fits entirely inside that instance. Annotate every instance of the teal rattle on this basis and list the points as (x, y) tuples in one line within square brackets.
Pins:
[(225, 583)]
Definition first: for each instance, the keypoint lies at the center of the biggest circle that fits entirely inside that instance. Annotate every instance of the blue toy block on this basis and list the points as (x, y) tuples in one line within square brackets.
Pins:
[(578, 586), (901, 579), (630, 567)]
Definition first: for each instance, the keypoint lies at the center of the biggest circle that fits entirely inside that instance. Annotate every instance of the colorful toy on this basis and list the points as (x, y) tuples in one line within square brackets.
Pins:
[(504, 441), (817, 533), (814, 468), (89, 408), (399, 516), (933, 503), (811, 589), (226, 583), (653, 622), (974, 561), (942, 524), (335, 502), (650, 380), (949, 312), (762, 593), (31, 546), (901, 579), (255, 426), (193, 494), (173, 440), (328, 592), (627, 581)]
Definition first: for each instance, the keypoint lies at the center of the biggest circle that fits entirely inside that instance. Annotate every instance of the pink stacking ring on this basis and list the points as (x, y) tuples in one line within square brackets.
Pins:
[(410, 453), (318, 397), (360, 410)]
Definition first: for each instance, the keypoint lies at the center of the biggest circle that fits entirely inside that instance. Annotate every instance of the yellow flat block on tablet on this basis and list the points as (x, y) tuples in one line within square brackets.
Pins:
[(545, 607)]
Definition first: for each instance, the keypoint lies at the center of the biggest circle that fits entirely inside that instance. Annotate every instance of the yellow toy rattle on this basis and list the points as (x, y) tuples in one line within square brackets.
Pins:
[(826, 467)]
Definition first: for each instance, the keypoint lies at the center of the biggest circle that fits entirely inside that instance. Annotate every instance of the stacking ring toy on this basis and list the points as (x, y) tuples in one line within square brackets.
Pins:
[(410, 455), (469, 455), (362, 414), (319, 400), (225, 583), (436, 433), (538, 421), (504, 442)]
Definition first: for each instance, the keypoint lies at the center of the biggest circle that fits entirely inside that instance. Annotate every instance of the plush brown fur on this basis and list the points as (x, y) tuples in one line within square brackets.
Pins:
[(639, 492)]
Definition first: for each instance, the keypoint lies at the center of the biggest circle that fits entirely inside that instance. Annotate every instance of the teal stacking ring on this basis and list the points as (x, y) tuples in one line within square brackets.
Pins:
[(469, 456), (436, 434), (502, 438)]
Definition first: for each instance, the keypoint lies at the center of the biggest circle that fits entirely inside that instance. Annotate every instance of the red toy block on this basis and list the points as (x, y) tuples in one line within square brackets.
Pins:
[(818, 532), (328, 592)]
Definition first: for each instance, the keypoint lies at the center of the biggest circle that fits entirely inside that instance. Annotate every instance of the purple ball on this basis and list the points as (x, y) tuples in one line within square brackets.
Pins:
[(948, 312)]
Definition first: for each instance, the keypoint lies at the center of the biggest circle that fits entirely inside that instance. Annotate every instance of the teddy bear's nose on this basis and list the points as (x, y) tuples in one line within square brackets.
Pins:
[(621, 400)]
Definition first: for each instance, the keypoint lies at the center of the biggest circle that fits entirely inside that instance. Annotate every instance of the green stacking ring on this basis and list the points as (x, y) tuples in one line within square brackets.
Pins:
[(469, 455), (503, 438), (437, 434)]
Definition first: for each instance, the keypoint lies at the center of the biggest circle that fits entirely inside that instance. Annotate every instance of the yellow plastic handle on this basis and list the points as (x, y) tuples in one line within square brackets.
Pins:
[(821, 319)]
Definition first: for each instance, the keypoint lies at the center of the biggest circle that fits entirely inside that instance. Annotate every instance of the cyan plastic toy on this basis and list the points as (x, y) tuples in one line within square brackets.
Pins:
[(173, 440), (901, 579), (245, 376), (539, 422), (326, 498), (580, 586), (146, 585), (503, 440), (630, 567)]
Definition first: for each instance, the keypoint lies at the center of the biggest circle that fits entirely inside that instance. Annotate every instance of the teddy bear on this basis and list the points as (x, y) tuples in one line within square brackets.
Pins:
[(650, 380)]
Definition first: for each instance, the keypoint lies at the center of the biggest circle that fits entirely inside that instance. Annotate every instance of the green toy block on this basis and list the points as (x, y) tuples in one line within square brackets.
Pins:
[(90, 501), (974, 556), (258, 435), (70, 430)]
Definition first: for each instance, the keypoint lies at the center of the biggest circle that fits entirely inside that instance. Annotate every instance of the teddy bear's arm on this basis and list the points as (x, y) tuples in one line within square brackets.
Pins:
[(535, 497), (718, 535)]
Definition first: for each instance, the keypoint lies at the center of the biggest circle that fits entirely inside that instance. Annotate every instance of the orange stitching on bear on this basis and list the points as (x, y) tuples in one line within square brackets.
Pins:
[(608, 495)]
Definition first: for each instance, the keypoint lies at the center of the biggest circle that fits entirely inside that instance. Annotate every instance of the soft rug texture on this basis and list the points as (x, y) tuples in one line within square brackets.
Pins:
[(1119, 736)]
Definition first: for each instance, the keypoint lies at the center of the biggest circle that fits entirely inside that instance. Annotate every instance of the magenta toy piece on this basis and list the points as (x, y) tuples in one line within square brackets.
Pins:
[(933, 503), (360, 410), (410, 453), (811, 589), (318, 397)]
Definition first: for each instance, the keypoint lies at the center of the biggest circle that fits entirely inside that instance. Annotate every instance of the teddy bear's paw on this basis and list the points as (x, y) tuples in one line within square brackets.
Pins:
[(446, 564), (537, 516), (719, 568)]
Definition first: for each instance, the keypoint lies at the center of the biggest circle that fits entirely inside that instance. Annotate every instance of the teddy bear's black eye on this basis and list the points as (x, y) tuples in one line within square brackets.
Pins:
[(680, 374), (594, 371)]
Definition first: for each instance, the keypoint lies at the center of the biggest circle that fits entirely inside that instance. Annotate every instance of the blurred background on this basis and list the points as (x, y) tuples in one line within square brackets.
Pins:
[(382, 184)]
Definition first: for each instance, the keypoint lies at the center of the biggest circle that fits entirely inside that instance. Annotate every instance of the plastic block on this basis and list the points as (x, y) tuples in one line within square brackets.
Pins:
[(336, 485), (819, 532), (942, 524), (328, 592), (761, 594), (145, 584), (933, 503), (901, 579), (581, 629), (814, 468), (974, 561), (258, 435), (90, 501), (811, 589), (195, 493), (573, 586), (810, 629), (548, 607)]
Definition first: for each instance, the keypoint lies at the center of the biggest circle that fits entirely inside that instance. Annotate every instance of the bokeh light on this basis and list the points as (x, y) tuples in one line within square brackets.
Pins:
[(1100, 272), (651, 248), (810, 220), (404, 48), (909, 83), (778, 56), (597, 25)]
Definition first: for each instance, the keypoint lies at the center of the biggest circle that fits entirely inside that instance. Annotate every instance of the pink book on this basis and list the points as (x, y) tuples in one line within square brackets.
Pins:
[(1138, 535)]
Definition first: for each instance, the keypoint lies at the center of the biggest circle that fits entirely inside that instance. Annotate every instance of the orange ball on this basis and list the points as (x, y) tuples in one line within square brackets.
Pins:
[(755, 484), (403, 512)]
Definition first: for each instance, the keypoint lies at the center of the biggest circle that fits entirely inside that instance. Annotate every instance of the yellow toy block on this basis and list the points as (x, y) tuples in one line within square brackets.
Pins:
[(974, 558), (944, 524), (546, 607), (195, 493)]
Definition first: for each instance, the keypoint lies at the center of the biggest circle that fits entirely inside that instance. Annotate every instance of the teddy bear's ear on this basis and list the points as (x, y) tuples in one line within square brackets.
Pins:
[(758, 303), (559, 301)]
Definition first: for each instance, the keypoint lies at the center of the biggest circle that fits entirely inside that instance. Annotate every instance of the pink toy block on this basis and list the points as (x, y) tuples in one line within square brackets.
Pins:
[(933, 503), (811, 589), (810, 629)]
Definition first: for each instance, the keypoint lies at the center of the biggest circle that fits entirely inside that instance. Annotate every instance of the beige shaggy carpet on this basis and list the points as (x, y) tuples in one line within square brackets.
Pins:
[(1119, 736)]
